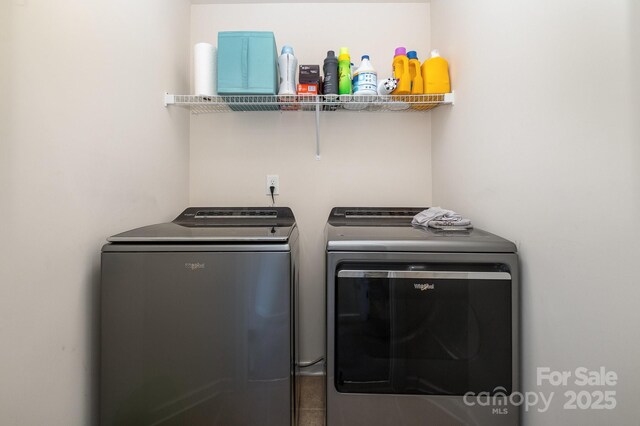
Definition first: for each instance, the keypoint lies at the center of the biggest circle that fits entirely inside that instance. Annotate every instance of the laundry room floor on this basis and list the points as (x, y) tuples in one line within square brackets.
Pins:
[(311, 401)]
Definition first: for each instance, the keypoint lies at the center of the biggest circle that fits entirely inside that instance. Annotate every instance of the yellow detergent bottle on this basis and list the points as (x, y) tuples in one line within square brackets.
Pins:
[(435, 74), (401, 72), (417, 86)]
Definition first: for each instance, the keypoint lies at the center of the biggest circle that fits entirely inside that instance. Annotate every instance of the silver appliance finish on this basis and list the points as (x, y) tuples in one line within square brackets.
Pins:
[(201, 329), (371, 242)]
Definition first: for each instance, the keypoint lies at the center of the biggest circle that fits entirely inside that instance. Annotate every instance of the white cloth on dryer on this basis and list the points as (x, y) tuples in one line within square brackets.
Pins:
[(437, 217)]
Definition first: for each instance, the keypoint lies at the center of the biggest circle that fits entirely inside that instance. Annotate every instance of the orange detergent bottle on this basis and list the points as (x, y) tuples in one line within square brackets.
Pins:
[(417, 87), (401, 72), (435, 74)]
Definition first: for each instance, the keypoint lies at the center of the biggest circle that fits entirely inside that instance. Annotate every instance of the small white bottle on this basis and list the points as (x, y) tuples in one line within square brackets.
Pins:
[(287, 65), (365, 78)]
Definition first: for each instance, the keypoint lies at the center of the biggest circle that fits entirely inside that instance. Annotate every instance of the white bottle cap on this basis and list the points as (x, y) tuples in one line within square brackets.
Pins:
[(435, 53)]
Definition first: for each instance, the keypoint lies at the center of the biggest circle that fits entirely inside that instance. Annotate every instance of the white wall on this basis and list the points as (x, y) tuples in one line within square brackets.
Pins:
[(87, 149), (542, 148), (5, 86), (367, 159)]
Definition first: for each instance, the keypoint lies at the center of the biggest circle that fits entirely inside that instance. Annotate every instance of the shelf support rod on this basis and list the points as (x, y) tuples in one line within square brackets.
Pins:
[(317, 130)]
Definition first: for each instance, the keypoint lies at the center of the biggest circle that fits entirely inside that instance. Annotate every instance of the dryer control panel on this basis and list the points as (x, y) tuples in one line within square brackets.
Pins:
[(372, 216)]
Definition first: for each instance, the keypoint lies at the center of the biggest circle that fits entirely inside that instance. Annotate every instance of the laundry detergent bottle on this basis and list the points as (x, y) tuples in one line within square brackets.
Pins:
[(287, 65), (365, 78), (435, 73), (417, 86), (330, 68), (344, 72), (401, 72)]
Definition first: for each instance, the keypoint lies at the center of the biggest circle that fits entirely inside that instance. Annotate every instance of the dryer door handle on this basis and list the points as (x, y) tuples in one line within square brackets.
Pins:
[(457, 275)]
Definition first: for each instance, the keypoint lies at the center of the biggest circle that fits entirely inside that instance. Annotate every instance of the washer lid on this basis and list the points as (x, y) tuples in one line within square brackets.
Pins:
[(218, 224), (390, 229)]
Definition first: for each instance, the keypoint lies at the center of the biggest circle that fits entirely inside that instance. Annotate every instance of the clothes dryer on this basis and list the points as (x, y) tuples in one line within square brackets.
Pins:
[(419, 322)]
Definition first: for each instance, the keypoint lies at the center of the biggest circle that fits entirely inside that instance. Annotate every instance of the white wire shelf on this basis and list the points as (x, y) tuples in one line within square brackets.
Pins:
[(314, 103), (366, 103)]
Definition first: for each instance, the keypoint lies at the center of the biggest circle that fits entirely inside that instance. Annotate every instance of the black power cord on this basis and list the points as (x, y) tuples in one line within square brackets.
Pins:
[(272, 188)]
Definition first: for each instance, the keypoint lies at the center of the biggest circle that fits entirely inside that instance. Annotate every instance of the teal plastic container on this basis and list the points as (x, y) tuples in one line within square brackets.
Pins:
[(247, 63)]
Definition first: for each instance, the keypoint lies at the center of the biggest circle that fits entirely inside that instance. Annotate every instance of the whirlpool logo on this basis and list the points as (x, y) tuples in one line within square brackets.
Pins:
[(194, 266), (424, 286)]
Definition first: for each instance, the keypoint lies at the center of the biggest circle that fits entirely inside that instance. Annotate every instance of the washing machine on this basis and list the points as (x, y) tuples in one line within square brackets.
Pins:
[(198, 321), (422, 324)]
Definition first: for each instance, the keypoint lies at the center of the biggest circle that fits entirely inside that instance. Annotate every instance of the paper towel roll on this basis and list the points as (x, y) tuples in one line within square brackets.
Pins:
[(204, 69)]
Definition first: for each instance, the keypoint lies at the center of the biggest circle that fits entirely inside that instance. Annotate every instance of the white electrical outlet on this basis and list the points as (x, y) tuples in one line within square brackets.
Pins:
[(273, 180)]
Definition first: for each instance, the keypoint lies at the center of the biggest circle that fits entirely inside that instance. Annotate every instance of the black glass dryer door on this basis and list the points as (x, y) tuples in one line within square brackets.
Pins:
[(423, 332)]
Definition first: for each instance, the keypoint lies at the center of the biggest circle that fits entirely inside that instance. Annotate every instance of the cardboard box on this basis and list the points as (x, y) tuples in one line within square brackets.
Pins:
[(307, 89), (309, 74)]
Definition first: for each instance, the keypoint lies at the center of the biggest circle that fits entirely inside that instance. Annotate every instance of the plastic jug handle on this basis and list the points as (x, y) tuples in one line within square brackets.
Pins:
[(244, 62)]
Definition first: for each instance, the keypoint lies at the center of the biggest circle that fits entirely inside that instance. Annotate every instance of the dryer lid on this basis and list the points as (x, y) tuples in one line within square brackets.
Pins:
[(390, 229)]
